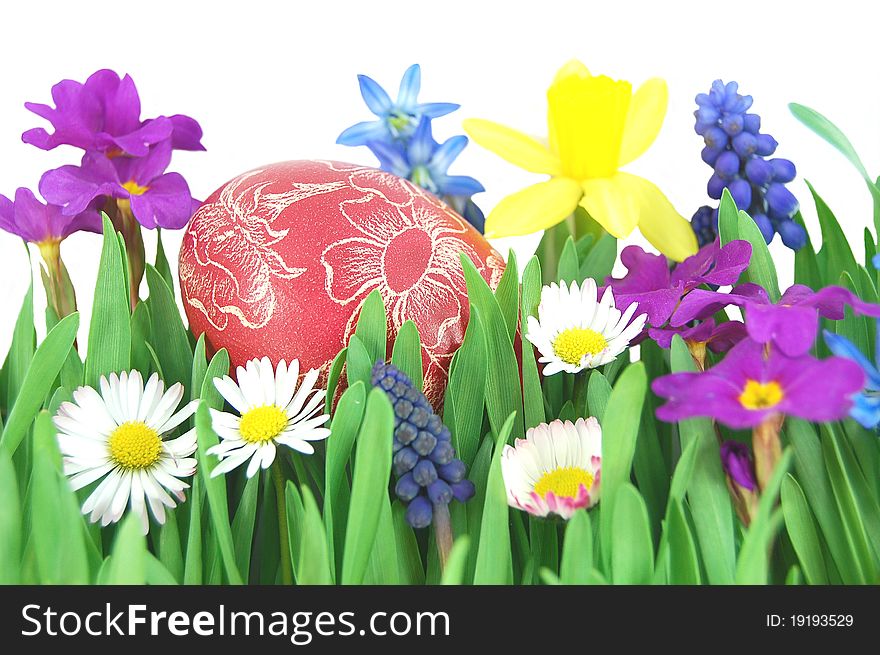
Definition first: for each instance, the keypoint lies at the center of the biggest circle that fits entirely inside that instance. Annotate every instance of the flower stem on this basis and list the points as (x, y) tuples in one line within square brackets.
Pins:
[(59, 290), (125, 222), (767, 448), (442, 532), (283, 536)]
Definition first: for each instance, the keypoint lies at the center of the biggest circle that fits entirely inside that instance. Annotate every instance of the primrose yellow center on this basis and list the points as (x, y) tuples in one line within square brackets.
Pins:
[(572, 344), (564, 482), (134, 188), (262, 424), (134, 445), (761, 395)]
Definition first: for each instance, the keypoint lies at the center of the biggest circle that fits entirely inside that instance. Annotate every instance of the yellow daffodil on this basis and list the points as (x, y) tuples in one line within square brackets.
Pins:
[(596, 125)]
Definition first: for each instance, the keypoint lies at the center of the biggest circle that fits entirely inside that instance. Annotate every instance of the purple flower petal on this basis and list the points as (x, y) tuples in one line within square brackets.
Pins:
[(137, 143), (167, 203), (143, 170), (793, 329), (691, 395), (695, 266), (726, 336), (820, 391), (732, 259), (187, 133), (830, 302), (736, 460), (75, 187)]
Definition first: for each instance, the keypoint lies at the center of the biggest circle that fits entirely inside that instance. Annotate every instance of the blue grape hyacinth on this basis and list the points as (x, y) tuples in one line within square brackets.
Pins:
[(738, 152), (428, 473), (402, 141)]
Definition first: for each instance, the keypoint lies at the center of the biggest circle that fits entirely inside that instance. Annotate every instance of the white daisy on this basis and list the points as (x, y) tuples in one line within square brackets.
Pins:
[(574, 330), (555, 469), (272, 411), (119, 435)]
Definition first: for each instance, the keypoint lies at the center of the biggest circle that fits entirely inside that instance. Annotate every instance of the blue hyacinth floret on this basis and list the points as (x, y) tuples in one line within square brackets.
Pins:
[(402, 141), (427, 470), (738, 153)]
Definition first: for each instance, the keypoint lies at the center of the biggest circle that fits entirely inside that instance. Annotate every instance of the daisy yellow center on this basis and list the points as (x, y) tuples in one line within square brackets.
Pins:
[(564, 482), (761, 395), (134, 188), (572, 344), (262, 424), (134, 445)]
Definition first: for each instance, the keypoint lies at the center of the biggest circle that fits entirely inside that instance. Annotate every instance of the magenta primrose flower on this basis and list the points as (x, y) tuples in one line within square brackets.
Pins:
[(43, 224), (755, 382), (158, 199), (718, 338), (791, 324), (103, 115), (737, 462), (659, 290)]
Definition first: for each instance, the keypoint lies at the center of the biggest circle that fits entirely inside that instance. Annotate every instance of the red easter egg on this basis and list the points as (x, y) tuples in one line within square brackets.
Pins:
[(279, 261)]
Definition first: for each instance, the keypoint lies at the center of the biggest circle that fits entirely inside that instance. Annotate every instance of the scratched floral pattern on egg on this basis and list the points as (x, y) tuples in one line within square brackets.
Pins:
[(279, 261)]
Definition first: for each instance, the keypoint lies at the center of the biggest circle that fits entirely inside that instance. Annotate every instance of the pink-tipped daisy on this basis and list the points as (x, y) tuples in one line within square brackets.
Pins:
[(555, 469)]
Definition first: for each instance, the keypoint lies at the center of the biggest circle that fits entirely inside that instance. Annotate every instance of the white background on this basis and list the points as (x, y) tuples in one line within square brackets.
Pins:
[(271, 81)]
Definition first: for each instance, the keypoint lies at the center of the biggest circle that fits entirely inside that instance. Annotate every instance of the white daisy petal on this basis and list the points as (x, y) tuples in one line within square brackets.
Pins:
[(555, 468), (231, 393), (179, 417), (254, 464)]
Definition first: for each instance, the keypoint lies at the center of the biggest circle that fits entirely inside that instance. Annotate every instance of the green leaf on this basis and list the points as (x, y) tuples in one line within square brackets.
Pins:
[(411, 570), (39, 381), (569, 268), (833, 135), (192, 567), (533, 396), (707, 492), (632, 557), (507, 295), (24, 342), (577, 550), (802, 532), (358, 361), (456, 565), (10, 522), (734, 225), (168, 332), (170, 552), (806, 265), (218, 367), (598, 393), (813, 478), (109, 343), (503, 391), (620, 429), (836, 255), (753, 565), (162, 266), (467, 389), (314, 558), (494, 554), (383, 566), (140, 336), (216, 488), (407, 353), (600, 260), (478, 473), (372, 470), (333, 379), (243, 525), (372, 327), (128, 561), (343, 431), (684, 565)]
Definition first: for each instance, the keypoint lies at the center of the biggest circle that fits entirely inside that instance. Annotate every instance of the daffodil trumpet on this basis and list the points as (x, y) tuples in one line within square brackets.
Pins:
[(596, 125)]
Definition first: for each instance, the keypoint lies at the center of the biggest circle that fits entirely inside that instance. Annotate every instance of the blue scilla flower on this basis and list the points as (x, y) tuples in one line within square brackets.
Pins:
[(737, 151), (397, 120), (427, 471), (425, 162), (866, 405)]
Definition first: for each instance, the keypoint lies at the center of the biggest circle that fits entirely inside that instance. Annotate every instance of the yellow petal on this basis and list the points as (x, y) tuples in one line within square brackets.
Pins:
[(586, 117), (659, 223), (533, 209), (611, 203), (512, 145), (644, 119), (573, 67)]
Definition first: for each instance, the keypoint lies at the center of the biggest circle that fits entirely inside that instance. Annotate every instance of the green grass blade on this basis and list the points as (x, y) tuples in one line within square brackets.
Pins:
[(802, 532), (314, 558), (507, 295), (456, 565), (407, 353), (128, 561), (372, 327), (632, 554), (577, 550), (39, 381), (168, 332), (372, 470)]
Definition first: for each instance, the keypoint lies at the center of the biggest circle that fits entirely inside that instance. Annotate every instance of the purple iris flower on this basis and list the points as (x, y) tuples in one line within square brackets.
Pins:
[(659, 290), (791, 324), (103, 115), (39, 223), (737, 462), (158, 199), (754, 382)]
